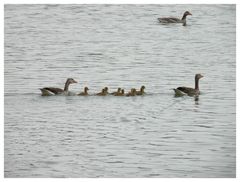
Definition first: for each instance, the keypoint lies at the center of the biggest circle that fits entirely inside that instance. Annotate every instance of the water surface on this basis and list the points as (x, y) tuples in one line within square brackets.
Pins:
[(156, 135)]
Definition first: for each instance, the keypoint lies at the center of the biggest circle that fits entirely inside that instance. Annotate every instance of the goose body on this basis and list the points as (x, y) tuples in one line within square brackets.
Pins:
[(106, 90), (47, 91), (120, 93), (85, 92), (141, 91), (131, 93), (103, 92), (175, 20), (187, 90)]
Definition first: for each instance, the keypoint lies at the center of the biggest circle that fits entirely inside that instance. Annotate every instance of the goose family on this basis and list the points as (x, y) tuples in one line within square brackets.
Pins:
[(179, 91), (175, 20), (48, 91)]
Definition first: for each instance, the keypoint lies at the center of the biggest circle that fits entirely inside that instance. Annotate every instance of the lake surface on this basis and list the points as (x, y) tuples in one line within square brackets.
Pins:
[(155, 135)]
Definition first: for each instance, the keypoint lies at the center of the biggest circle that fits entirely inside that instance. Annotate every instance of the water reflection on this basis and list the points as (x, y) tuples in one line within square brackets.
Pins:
[(109, 136), (196, 99)]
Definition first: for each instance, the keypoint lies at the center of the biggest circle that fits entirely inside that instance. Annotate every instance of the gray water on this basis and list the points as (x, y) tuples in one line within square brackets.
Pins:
[(156, 135)]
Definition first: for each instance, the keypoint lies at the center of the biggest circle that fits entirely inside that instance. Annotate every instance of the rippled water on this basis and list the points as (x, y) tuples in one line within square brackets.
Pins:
[(156, 135)]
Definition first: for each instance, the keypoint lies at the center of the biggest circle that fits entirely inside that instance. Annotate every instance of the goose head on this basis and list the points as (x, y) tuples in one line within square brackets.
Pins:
[(187, 13), (142, 88), (86, 89), (68, 82), (71, 80), (106, 89), (198, 76)]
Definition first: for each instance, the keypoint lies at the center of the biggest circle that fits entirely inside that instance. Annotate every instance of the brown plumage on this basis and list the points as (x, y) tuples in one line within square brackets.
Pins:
[(46, 91), (106, 90), (175, 20), (141, 91), (102, 93), (85, 92), (120, 93), (132, 92), (189, 91)]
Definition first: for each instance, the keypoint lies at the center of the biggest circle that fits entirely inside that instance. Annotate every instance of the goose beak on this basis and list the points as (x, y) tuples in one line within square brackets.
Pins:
[(74, 81)]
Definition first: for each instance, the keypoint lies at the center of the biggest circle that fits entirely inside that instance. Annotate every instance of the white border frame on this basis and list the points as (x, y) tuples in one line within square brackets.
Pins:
[(237, 2)]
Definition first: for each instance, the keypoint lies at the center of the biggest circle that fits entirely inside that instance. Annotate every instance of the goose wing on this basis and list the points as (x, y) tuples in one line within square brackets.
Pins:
[(178, 93), (82, 93), (45, 92), (53, 90), (169, 20), (186, 89), (189, 91)]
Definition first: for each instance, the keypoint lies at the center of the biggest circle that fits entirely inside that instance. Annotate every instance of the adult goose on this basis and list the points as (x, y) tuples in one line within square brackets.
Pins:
[(47, 91), (175, 20), (141, 91), (189, 91), (85, 92)]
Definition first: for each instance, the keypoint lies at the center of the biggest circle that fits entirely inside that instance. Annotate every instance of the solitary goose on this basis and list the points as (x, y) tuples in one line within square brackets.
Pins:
[(132, 92), (85, 92), (119, 93), (103, 92), (189, 91), (141, 91), (47, 91), (175, 20)]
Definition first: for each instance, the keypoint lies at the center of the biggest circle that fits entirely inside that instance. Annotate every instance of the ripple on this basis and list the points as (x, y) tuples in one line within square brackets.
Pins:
[(155, 135)]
